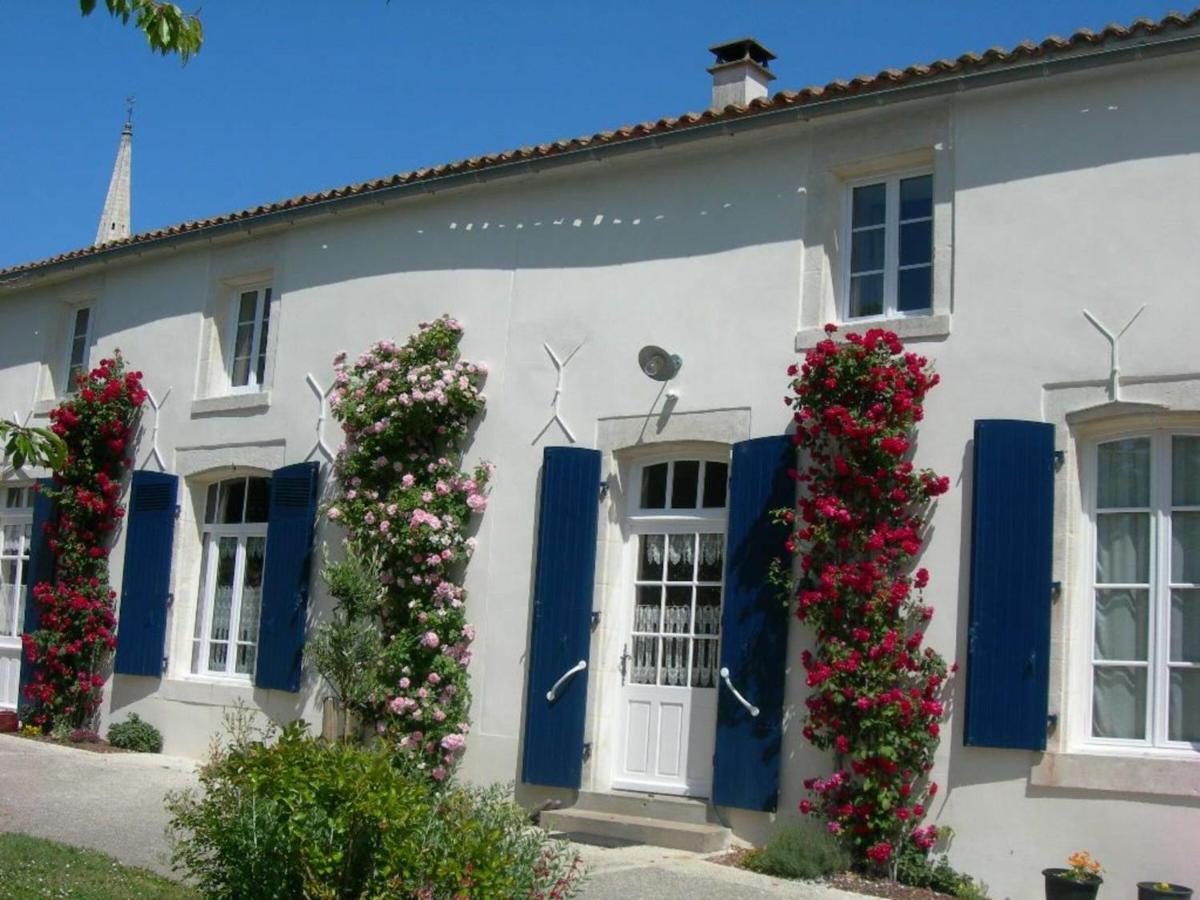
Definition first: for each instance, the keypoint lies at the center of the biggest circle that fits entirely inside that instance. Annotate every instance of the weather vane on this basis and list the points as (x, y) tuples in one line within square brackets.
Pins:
[(129, 101)]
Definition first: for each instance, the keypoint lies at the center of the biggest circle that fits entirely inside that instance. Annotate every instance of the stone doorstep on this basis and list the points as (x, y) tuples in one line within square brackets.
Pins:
[(584, 825), (649, 806)]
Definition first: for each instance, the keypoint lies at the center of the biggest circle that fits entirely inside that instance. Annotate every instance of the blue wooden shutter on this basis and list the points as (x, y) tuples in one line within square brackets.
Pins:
[(39, 568), (146, 579), (560, 636), (1008, 640), (290, 521), (754, 627)]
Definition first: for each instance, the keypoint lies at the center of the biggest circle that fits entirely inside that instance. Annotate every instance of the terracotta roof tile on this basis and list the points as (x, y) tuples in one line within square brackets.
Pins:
[(967, 62)]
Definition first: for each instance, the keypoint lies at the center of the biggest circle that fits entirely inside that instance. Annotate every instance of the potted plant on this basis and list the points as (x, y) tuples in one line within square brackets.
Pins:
[(1160, 890), (1080, 882)]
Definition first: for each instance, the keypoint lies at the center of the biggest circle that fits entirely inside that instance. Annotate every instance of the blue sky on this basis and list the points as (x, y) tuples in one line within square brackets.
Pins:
[(291, 96)]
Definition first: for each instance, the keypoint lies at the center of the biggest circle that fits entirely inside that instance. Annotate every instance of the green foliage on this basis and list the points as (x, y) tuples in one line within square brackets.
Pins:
[(35, 446), (168, 29), (308, 819), (34, 867), (919, 868), (798, 851), (135, 734)]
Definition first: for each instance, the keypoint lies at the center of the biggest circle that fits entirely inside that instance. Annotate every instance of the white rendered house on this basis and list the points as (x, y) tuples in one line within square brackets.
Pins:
[(976, 206)]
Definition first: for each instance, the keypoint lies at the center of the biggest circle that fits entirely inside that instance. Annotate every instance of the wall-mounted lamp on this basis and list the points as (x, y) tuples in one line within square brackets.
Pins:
[(658, 364)]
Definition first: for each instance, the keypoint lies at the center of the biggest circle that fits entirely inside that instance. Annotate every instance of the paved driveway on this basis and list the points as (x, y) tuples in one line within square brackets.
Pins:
[(114, 803)]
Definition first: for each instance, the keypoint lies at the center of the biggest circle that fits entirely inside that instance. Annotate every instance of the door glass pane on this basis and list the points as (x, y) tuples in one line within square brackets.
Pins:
[(712, 557), (716, 480), (646, 609), (1184, 716), (1123, 548), (870, 205), (232, 501), (866, 250), (915, 289), (1119, 702), (1185, 547), (674, 670), (257, 495), (1122, 624), (684, 482), (251, 603), (12, 539), (866, 295), (681, 557), (650, 557), (1185, 470), (677, 615), (643, 661), (1123, 474), (705, 663), (708, 610), (8, 597), (222, 604), (916, 197), (654, 486), (1185, 626)]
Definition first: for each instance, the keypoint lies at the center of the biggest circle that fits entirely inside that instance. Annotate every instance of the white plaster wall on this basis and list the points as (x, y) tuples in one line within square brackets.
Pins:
[(1052, 196)]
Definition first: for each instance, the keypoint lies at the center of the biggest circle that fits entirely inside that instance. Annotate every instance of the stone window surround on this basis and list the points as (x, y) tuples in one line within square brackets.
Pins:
[(1081, 412)]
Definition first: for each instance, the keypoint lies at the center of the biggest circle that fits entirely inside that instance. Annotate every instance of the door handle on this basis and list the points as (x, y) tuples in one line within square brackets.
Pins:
[(564, 678), (750, 707)]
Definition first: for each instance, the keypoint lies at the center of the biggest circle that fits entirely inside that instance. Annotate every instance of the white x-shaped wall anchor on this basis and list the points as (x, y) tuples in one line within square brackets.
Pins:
[(322, 399), (1114, 384), (556, 418), (155, 406)]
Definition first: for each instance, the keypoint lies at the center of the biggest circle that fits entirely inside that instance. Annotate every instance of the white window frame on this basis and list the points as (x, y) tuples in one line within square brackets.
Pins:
[(210, 543), (891, 245), (20, 516), (667, 521), (72, 320), (264, 296), (1158, 662)]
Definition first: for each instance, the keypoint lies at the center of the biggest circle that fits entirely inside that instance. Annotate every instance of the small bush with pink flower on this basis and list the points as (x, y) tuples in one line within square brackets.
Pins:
[(876, 689), (76, 622), (406, 506)]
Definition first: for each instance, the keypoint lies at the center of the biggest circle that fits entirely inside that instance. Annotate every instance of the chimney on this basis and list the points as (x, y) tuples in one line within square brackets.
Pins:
[(740, 73)]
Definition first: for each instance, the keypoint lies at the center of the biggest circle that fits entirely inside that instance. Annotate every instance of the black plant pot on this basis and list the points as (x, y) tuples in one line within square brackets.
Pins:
[(1061, 887), (1150, 890)]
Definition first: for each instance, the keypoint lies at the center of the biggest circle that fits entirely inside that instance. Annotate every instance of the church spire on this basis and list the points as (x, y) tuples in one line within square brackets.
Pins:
[(114, 220)]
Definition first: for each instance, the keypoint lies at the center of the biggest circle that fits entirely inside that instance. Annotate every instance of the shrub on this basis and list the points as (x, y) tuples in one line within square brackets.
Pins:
[(919, 868), (304, 818), (797, 851), (84, 736), (135, 734)]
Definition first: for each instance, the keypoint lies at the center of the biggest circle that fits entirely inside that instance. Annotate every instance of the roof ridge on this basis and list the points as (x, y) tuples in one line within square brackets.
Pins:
[(885, 78)]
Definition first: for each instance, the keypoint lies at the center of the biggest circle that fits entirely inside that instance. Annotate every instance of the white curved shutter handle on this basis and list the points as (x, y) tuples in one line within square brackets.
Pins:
[(750, 707), (564, 678)]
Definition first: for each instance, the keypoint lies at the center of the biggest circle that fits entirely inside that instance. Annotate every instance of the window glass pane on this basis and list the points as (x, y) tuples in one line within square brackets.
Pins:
[(677, 615), (248, 307), (82, 317), (870, 205), (198, 631), (643, 660), (654, 486), (1184, 716), (705, 662), (684, 483), (1123, 548), (257, 499), (222, 602), (241, 354), (251, 604), (916, 197), (716, 481), (866, 295), (646, 609), (262, 339), (210, 504), (1185, 626), (1185, 471), (1119, 702), (916, 243), (674, 670), (866, 250), (711, 563), (650, 557), (232, 501), (1185, 547), (914, 289), (708, 610), (681, 557), (1122, 624), (1123, 473)]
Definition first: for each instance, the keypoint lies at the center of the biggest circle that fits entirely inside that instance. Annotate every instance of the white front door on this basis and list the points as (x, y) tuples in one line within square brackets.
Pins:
[(16, 517), (668, 709)]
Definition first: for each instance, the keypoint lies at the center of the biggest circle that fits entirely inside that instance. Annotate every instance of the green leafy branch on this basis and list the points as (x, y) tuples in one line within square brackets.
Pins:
[(168, 28), (37, 446)]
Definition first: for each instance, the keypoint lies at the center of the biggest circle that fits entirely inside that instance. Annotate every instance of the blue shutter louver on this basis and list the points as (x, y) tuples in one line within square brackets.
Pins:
[(39, 568), (146, 578), (291, 519), (1008, 637), (754, 627), (560, 634)]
